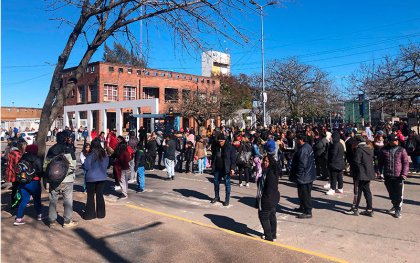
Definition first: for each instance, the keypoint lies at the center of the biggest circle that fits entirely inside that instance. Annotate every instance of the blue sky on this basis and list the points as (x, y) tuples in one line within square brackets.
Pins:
[(333, 35)]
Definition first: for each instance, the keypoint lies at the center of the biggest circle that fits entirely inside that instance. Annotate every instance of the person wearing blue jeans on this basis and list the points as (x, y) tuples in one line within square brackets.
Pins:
[(139, 163), (224, 162), (201, 165), (33, 189)]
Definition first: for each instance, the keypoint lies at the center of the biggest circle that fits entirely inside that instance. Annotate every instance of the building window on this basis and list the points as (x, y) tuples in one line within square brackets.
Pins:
[(92, 69), (17, 110), (120, 70), (129, 93), (110, 92), (81, 94), (111, 69), (170, 75), (129, 71), (138, 72), (93, 89), (171, 95), (150, 93)]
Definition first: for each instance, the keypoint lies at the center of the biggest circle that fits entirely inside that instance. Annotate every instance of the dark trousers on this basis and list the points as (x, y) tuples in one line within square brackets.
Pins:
[(243, 171), (153, 161), (269, 223), (188, 167), (116, 170), (364, 187), (218, 175), (95, 189), (355, 190), (160, 154), (336, 175), (322, 168), (395, 189), (305, 199)]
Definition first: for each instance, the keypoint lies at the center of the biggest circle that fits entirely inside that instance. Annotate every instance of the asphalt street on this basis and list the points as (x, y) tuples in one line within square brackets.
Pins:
[(173, 221)]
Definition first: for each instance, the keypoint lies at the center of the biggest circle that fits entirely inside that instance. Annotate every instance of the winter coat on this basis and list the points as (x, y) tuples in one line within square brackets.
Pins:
[(228, 155), (139, 159), (170, 149), (363, 162), (320, 148), (303, 165), (268, 195), (336, 154), (189, 154), (95, 169), (351, 145), (394, 162), (152, 147)]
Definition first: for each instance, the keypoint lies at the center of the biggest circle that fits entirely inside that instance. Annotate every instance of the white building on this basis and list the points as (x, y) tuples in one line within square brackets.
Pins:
[(215, 63)]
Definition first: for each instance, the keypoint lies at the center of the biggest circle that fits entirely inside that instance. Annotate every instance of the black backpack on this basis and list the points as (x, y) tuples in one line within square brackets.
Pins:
[(25, 171), (57, 169)]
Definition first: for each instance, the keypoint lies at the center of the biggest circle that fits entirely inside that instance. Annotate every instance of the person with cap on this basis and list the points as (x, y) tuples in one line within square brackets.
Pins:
[(66, 186), (223, 162), (303, 172), (32, 188), (363, 173), (393, 159)]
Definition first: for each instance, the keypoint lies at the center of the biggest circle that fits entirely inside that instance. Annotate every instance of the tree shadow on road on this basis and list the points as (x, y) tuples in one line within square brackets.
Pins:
[(192, 193), (230, 224)]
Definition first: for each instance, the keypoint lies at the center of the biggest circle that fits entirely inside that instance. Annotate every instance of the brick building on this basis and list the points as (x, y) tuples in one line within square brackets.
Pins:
[(109, 82), (23, 118)]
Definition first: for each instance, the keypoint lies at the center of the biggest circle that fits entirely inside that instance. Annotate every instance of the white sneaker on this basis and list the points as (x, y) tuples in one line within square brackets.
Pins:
[(164, 170), (131, 181), (117, 188), (339, 191), (326, 186), (247, 185), (330, 192), (240, 185)]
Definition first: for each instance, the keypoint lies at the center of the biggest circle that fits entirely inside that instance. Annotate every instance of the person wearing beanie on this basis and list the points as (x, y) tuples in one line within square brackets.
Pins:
[(393, 160)]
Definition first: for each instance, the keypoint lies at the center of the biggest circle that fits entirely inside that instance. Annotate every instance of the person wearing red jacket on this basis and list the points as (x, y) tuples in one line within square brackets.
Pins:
[(93, 134), (122, 159), (111, 142)]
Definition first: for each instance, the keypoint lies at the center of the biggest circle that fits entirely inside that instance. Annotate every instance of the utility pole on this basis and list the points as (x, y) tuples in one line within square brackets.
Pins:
[(264, 95)]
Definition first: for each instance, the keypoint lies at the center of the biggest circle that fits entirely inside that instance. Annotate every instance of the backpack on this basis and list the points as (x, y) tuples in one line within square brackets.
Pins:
[(25, 171), (243, 158), (57, 169), (410, 147)]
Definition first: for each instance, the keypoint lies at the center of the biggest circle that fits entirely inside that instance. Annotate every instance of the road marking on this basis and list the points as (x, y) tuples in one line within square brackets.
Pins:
[(305, 251)]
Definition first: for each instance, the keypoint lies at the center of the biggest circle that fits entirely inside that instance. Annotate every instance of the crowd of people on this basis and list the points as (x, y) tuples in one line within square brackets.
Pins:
[(303, 153)]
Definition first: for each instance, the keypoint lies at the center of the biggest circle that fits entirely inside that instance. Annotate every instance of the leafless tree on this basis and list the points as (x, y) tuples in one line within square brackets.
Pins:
[(298, 89), (99, 19), (393, 82)]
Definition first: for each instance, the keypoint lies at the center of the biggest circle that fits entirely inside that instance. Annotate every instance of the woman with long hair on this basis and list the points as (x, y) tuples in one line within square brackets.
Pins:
[(95, 166), (268, 196), (122, 158)]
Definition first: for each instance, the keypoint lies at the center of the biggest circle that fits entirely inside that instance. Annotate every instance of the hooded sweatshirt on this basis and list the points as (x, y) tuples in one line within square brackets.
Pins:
[(363, 162), (336, 153)]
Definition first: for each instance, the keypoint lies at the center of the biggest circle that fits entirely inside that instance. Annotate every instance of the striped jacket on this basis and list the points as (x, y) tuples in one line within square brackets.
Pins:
[(13, 158)]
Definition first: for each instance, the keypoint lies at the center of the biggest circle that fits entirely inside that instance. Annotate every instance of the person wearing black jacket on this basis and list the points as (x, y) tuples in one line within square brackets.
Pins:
[(336, 164), (169, 149), (223, 162), (364, 173), (321, 155), (303, 172), (139, 163), (152, 150), (268, 196), (188, 156)]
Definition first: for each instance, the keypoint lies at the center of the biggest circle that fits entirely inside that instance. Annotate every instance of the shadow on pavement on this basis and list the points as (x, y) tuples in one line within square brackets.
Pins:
[(405, 201), (192, 193), (246, 200), (155, 176), (100, 246), (229, 223)]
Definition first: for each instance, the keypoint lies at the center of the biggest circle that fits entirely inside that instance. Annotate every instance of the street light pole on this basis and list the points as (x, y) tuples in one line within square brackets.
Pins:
[(264, 96)]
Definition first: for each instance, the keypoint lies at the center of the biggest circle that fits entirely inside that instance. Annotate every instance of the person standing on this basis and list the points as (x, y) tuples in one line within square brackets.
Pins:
[(83, 155), (132, 147), (169, 149), (123, 158), (336, 164), (85, 135), (200, 154), (152, 150), (143, 136), (303, 172), (13, 158), (32, 188), (393, 159), (268, 196), (223, 161), (243, 161), (139, 163), (66, 186), (111, 142), (364, 172), (95, 167)]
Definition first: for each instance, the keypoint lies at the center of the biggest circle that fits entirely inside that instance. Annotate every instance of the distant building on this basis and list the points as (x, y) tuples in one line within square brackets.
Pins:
[(23, 118), (109, 82), (215, 63)]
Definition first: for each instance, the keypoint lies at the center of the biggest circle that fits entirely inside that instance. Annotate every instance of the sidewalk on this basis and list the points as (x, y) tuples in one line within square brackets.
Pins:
[(131, 233)]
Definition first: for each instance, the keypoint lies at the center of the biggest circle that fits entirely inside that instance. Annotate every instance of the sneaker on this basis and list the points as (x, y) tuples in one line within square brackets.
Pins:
[(330, 192), (367, 213), (353, 212), (240, 185), (117, 188), (397, 213), (138, 190), (247, 185), (339, 191), (40, 217), (226, 203), (131, 181), (390, 211), (70, 224), (19, 222), (173, 178), (122, 197), (326, 186), (299, 209), (304, 216), (215, 200)]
